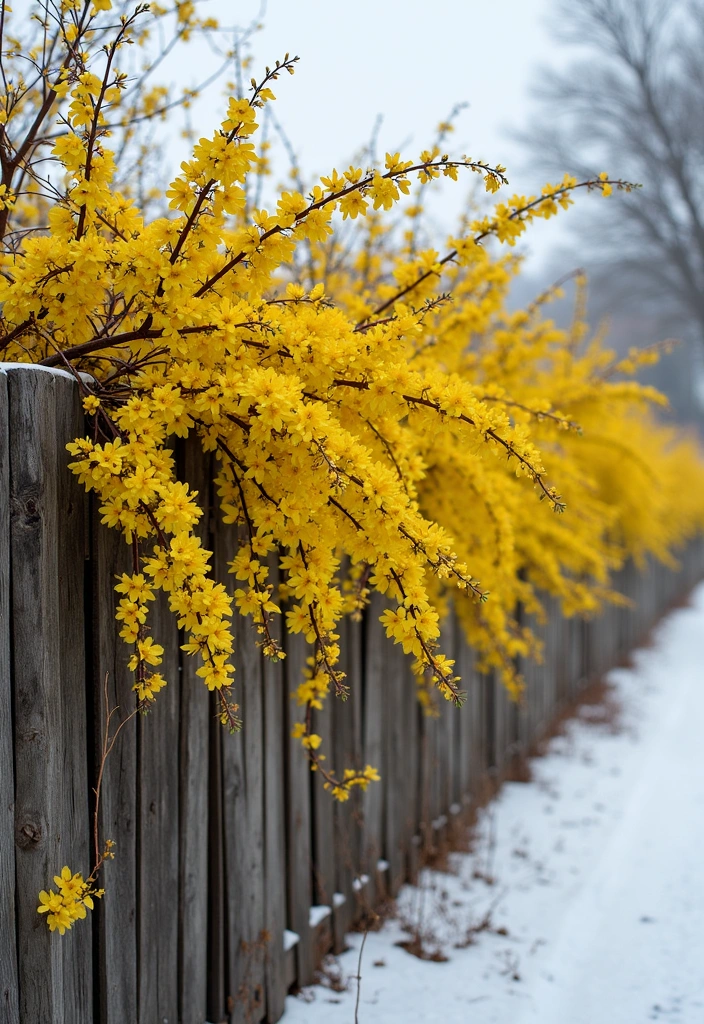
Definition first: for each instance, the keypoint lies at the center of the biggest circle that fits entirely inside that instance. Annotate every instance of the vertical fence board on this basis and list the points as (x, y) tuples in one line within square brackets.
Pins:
[(447, 645), (194, 727), (215, 939), (298, 826), (465, 669), (475, 706), (243, 816), (395, 697), (9, 992), (373, 733), (323, 811), (274, 828), (347, 718), (408, 765), (455, 789), (117, 820), (158, 838), (243, 794), (47, 692), (37, 722), (427, 782), (71, 512)]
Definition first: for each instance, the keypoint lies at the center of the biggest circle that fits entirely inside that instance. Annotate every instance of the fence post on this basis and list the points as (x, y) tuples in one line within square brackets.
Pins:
[(47, 510), (9, 988)]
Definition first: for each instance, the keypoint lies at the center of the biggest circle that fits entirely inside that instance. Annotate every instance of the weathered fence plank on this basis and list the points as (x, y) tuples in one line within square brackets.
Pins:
[(464, 667), (347, 731), (216, 946), (375, 660), (401, 804), (394, 778), (49, 690), (243, 816), (194, 715), (117, 819), (324, 812), (243, 764), (298, 823), (9, 986), (274, 828), (158, 832), (72, 516)]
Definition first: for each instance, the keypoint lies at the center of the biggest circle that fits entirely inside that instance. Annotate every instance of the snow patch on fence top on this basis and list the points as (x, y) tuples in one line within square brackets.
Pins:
[(55, 370), (291, 939), (4, 367), (318, 914)]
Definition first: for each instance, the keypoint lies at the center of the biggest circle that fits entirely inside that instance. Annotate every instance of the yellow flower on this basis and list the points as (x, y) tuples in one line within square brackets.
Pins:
[(91, 404)]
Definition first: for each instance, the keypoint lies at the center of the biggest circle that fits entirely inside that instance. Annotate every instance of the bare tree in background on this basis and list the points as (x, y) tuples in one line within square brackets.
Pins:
[(632, 101)]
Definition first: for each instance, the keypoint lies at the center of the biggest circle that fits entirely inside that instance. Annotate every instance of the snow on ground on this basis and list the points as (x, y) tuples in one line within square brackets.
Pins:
[(583, 899)]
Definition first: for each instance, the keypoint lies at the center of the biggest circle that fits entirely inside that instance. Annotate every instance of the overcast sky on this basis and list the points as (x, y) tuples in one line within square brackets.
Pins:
[(409, 61)]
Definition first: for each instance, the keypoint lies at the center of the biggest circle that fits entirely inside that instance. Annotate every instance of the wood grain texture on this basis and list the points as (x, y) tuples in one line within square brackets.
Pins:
[(274, 829), (465, 669), (158, 835), (373, 742), (112, 688), (243, 796), (46, 588), (324, 812), (9, 984), (298, 816), (243, 817), (412, 726), (396, 694), (449, 732), (194, 721), (216, 979), (478, 741), (72, 524), (158, 830), (347, 717), (500, 725)]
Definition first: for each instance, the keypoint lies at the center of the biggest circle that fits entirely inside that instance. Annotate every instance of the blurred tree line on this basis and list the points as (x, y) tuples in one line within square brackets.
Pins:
[(629, 97)]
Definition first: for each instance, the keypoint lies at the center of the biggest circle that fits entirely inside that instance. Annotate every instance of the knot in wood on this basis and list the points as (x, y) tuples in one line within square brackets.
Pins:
[(28, 834), (25, 509), (31, 512)]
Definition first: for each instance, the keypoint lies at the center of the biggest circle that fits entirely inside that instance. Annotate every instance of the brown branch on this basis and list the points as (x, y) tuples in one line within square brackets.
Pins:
[(107, 747), (452, 255), (111, 51), (333, 198), (143, 333)]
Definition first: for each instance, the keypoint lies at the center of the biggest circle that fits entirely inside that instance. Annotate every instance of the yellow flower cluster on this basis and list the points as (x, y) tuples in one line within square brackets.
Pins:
[(379, 419), (69, 903), (352, 778)]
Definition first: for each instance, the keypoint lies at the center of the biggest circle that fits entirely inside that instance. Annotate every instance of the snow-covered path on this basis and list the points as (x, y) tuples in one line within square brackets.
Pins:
[(583, 899)]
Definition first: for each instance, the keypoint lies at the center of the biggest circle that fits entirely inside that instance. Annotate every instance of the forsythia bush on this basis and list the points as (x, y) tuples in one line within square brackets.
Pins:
[(380, 421)]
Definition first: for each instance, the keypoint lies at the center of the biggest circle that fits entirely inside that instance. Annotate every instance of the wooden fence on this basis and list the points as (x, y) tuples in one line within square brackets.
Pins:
[(234, 871)]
